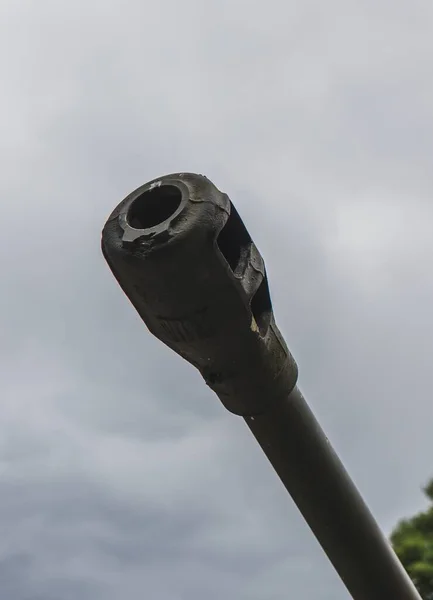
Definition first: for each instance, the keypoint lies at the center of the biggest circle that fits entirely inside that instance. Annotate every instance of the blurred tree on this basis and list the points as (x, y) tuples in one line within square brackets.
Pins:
[(412, 540)]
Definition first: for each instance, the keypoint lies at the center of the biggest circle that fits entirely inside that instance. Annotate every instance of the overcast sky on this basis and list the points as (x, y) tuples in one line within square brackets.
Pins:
[(121, 475)]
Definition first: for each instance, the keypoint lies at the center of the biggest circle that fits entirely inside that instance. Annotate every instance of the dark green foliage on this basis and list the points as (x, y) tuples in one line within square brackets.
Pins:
[(412, 540)]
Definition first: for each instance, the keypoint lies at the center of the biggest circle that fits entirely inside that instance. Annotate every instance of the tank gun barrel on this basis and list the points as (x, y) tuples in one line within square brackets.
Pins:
[(182, 255)]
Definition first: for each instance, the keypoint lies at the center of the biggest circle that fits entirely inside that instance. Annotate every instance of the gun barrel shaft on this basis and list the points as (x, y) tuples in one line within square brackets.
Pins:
[(317, 481)]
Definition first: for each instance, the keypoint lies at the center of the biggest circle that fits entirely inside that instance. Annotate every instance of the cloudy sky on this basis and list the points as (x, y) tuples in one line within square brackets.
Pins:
[(121, 476)]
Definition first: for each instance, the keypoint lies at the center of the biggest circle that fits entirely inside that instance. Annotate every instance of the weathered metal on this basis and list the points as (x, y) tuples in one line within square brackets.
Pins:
[(182, 255)]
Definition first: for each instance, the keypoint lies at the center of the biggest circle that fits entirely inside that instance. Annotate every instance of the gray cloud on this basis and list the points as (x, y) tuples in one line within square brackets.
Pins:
[(121, 476)]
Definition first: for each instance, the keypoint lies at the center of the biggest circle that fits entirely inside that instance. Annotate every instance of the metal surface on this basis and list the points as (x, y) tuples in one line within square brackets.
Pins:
[(182, 255)]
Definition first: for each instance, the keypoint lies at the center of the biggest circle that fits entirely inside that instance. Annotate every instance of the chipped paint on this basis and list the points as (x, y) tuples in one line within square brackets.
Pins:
[(155, 184), (254, 326)]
